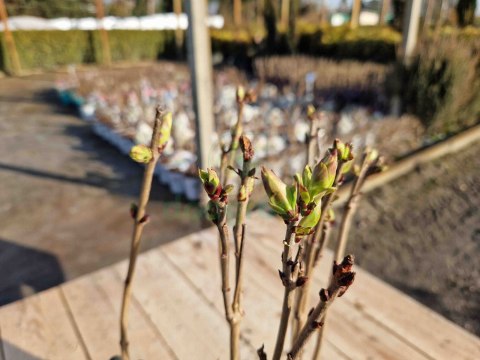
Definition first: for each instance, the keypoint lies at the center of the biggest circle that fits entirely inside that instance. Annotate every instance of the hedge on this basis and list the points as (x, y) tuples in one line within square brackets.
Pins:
[(442, 84), (47, 49), (369, 43), (133, 45)]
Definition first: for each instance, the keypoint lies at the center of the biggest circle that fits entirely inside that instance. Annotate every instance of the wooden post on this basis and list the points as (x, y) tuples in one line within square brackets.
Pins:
[(356, 8), (237, 12), (12, 53), (441, 16), (285, 14), (427, 21), (259, 11), (384, 11), (107, 59), (199, 53), (177, 8), (410, 28), (151, 7)]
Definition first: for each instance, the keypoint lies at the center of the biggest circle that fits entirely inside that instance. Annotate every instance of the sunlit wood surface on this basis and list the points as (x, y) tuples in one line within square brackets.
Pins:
[(177, 310)]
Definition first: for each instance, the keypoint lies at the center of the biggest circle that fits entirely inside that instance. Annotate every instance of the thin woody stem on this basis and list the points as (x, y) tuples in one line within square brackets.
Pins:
[(228, 156), (340, 280), (224, 266), (312, 324), (239, 275), (239, 230), (230, 314), (349, 211), (310, 254), (289, 286), (139, 223)]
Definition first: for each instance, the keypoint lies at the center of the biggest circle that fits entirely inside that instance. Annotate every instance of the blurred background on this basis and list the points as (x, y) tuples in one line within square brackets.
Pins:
[(79, 82)]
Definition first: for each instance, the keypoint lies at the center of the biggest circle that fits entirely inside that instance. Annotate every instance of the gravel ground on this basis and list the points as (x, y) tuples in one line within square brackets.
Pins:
[(421, 233), (65, 194)]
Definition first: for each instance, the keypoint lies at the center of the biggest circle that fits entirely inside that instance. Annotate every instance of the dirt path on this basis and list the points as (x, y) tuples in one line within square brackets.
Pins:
[(65, 194), (421, 233)]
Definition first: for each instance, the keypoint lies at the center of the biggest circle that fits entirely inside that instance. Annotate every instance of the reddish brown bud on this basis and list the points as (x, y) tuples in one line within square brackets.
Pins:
[(324, 295), (250, 96), (346, 279), (133, 210), (144, 219), (247, 149), (261, 353), (317, 324), (301, 281)]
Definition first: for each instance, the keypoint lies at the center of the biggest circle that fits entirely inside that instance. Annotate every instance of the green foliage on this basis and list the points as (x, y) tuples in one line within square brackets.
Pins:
[(442, 85), (372, 43), (47, 49), (131, 45), (234, 44), (466, 12)]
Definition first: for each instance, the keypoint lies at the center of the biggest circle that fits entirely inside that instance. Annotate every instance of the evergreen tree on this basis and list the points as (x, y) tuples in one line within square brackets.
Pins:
[(466, 12)]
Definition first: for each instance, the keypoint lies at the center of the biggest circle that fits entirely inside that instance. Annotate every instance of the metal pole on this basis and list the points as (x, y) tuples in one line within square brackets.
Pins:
[(200, 61), (9, 41), (410, 29), (107, 59)]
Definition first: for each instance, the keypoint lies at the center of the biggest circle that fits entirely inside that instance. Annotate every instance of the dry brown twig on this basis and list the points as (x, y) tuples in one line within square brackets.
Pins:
[(149, 156), (341, 279)]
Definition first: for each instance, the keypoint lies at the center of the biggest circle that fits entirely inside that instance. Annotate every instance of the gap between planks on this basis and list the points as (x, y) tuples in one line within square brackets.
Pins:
[(74, 325)]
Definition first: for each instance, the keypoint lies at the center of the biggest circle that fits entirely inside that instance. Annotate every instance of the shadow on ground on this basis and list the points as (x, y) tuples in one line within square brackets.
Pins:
[(26, 271)]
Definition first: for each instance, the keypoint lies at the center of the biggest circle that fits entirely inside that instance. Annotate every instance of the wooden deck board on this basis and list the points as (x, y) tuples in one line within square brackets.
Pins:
[(177, 311), (416, 324), (261, 320), (344, 332), (191, 326), (94, 301), (39, 328)]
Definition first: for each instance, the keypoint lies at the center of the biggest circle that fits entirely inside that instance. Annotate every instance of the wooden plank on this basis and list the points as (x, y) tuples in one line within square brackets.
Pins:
[(417, 325), (349, 329), (261, 305), (39, 328), (262, 279), (191, 326), (94, 301)]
